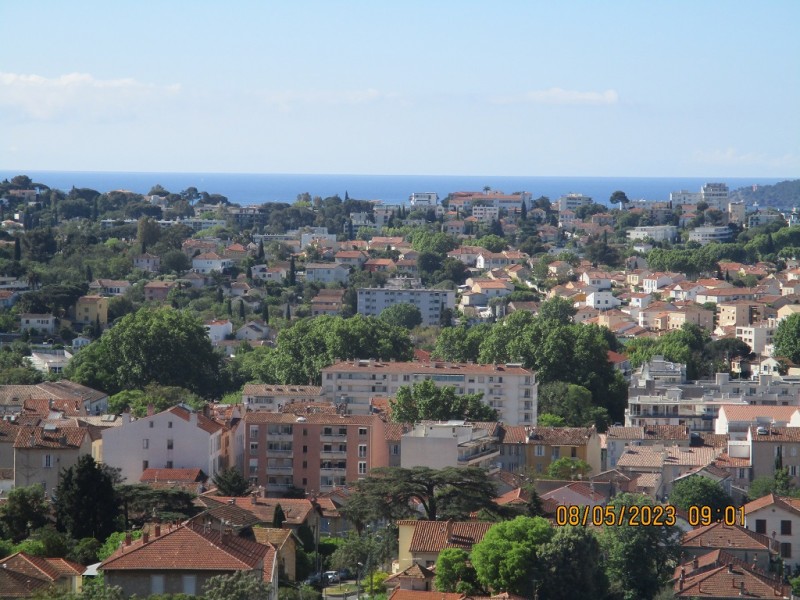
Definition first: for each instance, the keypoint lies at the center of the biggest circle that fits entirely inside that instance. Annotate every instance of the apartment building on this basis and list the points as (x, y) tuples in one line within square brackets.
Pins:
[(450, 444), (430, 302), (758, 336), (314, 452), (706, 235), (572, 201), (510, 389), (657, 233)]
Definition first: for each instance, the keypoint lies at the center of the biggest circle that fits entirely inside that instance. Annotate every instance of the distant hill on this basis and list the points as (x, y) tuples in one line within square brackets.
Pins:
[(784, 195)]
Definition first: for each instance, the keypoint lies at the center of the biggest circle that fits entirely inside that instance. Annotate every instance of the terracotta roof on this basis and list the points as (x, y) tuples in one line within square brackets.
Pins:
[(778, 435), (723, 461), (59, 437), (262, 389), (415, 571), (434, 536), (723, 576), (647, 480), (650, 432), (272, 535), (188, 547), (399, 594), (560, 436), (791, 505), (203, 422), (515, 496), (652, 457), (174, 475), (295, 510), (719, 535), (749, 412), (580, 488)]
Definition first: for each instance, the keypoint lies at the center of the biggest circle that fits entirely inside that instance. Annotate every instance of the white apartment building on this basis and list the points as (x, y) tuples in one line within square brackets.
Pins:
[(510, 389), (449, 444), (758, 336), (177, 438), (657, 233), (423, 199), (572, 201), (713, 194), (430, 302), (327, 273), (706, 235), (486, 213)]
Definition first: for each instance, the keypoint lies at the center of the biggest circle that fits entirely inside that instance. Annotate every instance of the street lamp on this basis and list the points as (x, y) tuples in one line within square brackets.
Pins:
[(359, 566)]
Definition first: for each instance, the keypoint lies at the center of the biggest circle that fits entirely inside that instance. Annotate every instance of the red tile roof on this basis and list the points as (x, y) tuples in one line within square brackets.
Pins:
[(719, 535), (203, 422), (60, 437), (399, 594), (434, 536), (175, 475), (188, 548)]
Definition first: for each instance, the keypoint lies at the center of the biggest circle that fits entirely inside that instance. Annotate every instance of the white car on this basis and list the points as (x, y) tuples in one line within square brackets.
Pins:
[(331, 576)]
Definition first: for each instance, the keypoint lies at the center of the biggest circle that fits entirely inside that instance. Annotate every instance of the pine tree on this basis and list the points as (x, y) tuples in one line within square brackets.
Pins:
[(346, 197), (350, 234), (220, 296), (278, 517), (228, 307)]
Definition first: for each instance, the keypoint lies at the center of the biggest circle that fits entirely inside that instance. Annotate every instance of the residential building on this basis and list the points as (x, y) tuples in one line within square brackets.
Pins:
[(719, 575), (327, 273), (147, 262), (51, 361), (778, 518), (547, 444), (181, 560), (430, 302), (262, 396), (572, 201), (327, 302), (23, 575), (210, 262), (110, 287), (311, 451), (90, 310), (619, 438), (657, 233), (758, 336), (420, 542), (425, 199), (771, 445), (41, 452), (668, 462), (510, 389), (177, 438), (157, 291), (36, 323), (450, 444), (218, 330), (706, 235)]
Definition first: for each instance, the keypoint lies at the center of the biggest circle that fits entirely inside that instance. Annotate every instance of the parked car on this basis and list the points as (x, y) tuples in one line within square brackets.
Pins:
[(315, 580), (331, 576), (345, 574)]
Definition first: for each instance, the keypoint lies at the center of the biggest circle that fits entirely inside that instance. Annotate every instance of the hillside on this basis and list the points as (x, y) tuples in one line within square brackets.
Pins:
[(784, 195)]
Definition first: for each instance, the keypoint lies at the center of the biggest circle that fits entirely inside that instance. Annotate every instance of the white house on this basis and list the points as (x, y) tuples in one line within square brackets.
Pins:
[(218, 330), (327, 273), (779, 518), (177, 438), (209, 262), (602, 300), (37, 323)]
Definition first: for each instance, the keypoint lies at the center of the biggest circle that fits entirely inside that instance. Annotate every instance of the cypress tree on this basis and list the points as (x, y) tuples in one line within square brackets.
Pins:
[(288, 312), (17, 249), (292, 273), (265, 313)]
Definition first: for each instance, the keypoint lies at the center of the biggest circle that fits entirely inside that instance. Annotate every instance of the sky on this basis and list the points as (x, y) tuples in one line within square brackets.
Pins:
[(686, 88)]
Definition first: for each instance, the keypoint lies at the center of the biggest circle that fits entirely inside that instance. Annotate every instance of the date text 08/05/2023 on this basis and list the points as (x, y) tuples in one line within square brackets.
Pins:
[(646, 515)]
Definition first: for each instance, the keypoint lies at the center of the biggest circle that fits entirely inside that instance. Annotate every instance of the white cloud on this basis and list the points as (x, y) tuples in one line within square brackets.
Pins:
[(730, 157), (74, 94), (559, 96)]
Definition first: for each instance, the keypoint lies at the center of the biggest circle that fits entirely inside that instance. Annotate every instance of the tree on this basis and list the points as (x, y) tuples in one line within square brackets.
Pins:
[(639, 560), (404, 315), (148, 232), (572, 404), (25, 510), (278, 517), (449, 492), (85, 503), (426, 401), (780, 484), (619, 197), (230, 482), (699, 491), (572, 566), (568, 468), (240, 585), (787, 338), (454, 572), (166, 346), (493, 243), (506, 558), (291, 278), (460, 344)]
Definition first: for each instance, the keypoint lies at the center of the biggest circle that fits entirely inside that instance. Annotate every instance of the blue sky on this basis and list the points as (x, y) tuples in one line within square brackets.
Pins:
[(641, 88)]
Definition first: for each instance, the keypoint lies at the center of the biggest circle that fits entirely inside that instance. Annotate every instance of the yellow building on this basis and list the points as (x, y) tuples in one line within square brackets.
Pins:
[(91, 309), (547, 444)]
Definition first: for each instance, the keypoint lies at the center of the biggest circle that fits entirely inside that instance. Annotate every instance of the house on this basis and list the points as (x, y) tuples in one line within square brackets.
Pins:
[(192, 480), (36, 323), (8, 298), (548, 444), (218, 330), (92, 402), (419, 542), (576, 493), (383, 265), (23, 575), (327, 273), (157, 291), (285, 542), (177, 438), (719, 575), (41, 452), (415, 578), (778, 518), (91, 309), (493, 288), (147, 262), (253, 331), (50, 361), (174, 560), (450, 444), (261, 510), (262, 396), (351, 258), (327, 302), (741, 543), (110, 287), (667, 461), (210, 262)]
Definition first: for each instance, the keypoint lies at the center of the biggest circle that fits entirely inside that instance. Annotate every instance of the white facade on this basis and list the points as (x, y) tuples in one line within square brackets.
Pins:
[(327, 273), (209, 262), (36, 322), (177, 438), (657, 233), (572, 201), (218, 330), (423, 199), (706, 235), (510, 389), (430, 302), (758, 337), (448, 444), (486, 213), (602, 300), (715, 195)]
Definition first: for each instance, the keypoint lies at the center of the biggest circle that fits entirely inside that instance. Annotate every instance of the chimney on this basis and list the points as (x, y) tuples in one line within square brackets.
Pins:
[(128, 538), (158, 530), (151, 410), (695, 563), (145, 537), (730, 567), (253, 498), (232, 501)]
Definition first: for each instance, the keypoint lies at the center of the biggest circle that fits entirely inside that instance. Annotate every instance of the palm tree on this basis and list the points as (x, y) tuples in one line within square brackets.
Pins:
[(33, 279)]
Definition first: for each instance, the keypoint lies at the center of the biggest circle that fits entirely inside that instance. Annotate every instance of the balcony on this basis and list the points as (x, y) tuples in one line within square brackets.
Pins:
[(472, 460), (279, 468)]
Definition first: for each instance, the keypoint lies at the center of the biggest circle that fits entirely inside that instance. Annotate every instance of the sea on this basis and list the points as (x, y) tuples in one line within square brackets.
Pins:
[(258, 188)]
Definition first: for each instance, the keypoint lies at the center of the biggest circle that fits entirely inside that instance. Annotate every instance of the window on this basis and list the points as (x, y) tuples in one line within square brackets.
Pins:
[(145, 465), (786, 550), (169, 464), (362, 431), (362, 468), (254, 431), (170, 444), (786, 528), (47, 461), (555, 453), (145, 444), (761, 526), (189, 584), (305, 431), (305, 464), (395, 449), (362, 451), (152, 424), (169, 424), (574, 453), (305, 449), (539, 450), (305, 481), (156, 584)]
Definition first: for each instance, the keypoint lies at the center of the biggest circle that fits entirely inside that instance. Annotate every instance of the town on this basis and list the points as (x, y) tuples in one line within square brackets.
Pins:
[(486, 395)]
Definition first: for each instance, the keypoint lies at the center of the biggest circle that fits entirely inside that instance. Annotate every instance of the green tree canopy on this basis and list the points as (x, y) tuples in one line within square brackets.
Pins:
[(86, 504), (787, 338), (165, 346), (568, 468), (241, 585), (699, 491), (25, 510), (455, 573), (426, 401), (493, 243), (572, 566), (573, 404), (507, 556), (403, 315), (230, 482), (442, 493)]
